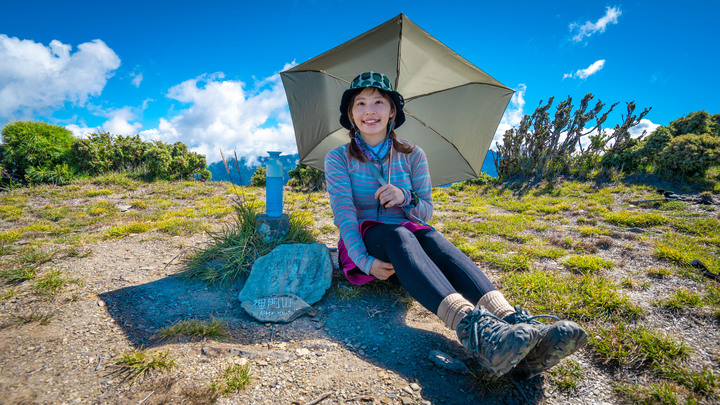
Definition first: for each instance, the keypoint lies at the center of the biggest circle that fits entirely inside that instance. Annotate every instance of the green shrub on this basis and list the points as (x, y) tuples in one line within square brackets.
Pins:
[(545, 146), (303, 176), (103, 152), (258, 179), (32, 147), (60, 175), (690, 155)]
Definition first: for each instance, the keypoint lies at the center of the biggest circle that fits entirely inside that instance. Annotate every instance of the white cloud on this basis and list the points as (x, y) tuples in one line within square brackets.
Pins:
[(137, 79), (587, 72), (79, 131), (35, 77), (120, 122), (512, 117), (644, 125), (223, 114), (589, 28)]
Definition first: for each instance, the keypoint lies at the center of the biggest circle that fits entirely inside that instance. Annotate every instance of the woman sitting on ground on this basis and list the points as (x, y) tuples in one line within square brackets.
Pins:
[(380, 194)]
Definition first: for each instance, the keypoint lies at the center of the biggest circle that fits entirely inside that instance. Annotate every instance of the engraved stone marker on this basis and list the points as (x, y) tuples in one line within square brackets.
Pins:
[(302, 270), (281, 308)]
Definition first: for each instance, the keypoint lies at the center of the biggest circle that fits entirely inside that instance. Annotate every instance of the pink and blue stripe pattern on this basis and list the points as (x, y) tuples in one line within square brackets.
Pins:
[(352, 185)]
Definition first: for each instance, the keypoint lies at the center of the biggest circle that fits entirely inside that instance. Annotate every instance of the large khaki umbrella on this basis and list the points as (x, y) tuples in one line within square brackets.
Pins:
[(452, 107)]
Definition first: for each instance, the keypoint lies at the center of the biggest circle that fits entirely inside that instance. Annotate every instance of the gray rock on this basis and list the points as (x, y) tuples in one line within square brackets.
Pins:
[(447, 362), (279, 308), (272, 229), (304, 270), (302, 352)]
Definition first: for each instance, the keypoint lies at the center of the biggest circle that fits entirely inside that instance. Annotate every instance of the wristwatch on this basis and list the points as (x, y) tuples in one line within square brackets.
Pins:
[(414, 200)]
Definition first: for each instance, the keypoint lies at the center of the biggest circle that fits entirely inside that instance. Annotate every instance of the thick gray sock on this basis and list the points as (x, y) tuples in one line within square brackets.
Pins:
[(495, 302), (454, 308)]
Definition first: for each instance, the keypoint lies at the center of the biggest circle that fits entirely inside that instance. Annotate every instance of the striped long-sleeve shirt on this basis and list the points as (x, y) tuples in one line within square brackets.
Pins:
[(352, 185)]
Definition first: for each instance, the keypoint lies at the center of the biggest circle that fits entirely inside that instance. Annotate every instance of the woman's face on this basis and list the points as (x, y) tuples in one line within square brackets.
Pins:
[(371, 112)]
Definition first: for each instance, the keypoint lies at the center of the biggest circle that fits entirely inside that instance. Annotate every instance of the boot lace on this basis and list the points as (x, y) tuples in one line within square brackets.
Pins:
[(486, 326), (523, 316)]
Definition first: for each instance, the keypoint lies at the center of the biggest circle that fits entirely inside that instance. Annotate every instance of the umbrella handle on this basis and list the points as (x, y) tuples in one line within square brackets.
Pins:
[(390, 162)]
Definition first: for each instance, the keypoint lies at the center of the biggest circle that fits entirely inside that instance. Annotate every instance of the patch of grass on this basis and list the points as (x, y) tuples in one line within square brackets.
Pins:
[(347, 292), (533, 205), (636, 346), (635, 219), (102, 208), (236, 377), (9, 293), (216, 206), (40, 227), (543, 252), (17, 275), (10, 212), (586, 297), (137, 363), (78, 252), (628, 283), (698, 226), (53, 213), (592, 231), (234, 249), (585, 264), (703, 382), (36, 255), (654, 394), (712, 295), (138, 204), (6, 248), (123, 230), (659, 272), (325, 229), (179, 226), (567, 375), (123, 180), (672, 206), (43, 318), (516, 261), (682, 249), (52, 283), (586, 221), (213, 329), (509, 226), (95, 193), (485, 383), (663, 394), (10, 236), (681, 300)]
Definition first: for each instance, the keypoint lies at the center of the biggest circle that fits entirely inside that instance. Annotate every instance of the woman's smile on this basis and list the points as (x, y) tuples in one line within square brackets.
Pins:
[(371, 112)]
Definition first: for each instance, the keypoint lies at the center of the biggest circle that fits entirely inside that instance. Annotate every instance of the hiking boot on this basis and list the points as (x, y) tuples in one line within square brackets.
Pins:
[(557, 341), (497, 345)]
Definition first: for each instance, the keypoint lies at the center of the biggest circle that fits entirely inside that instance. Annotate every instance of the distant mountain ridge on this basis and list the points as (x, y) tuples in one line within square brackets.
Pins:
[(241, 173)]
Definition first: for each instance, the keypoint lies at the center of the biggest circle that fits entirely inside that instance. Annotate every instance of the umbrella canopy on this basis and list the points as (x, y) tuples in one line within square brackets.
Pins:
[(452, 107)]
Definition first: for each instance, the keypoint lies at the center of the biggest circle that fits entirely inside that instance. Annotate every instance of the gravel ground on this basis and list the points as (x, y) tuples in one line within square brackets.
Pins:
[(372, 349)]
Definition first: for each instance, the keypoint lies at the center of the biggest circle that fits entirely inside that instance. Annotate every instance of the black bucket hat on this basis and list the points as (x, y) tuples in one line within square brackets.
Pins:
[(378, 81)]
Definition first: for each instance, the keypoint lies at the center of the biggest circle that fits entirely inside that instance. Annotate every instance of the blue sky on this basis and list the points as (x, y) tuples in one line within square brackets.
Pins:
[(206, 73)]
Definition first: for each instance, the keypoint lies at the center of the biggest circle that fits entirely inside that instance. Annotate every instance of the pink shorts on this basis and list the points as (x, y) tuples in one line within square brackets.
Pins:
[(351, 270)]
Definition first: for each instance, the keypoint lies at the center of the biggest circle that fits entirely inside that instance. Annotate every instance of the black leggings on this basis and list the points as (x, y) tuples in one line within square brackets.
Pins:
[(428, 266)]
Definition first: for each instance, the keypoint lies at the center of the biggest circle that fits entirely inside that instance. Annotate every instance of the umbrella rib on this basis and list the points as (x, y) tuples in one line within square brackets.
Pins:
[(441, 137), (323, 72), (397, 68), (457, 87)]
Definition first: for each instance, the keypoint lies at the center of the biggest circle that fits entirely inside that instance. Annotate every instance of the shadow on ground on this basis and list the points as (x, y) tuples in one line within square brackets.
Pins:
[(372, 327)]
